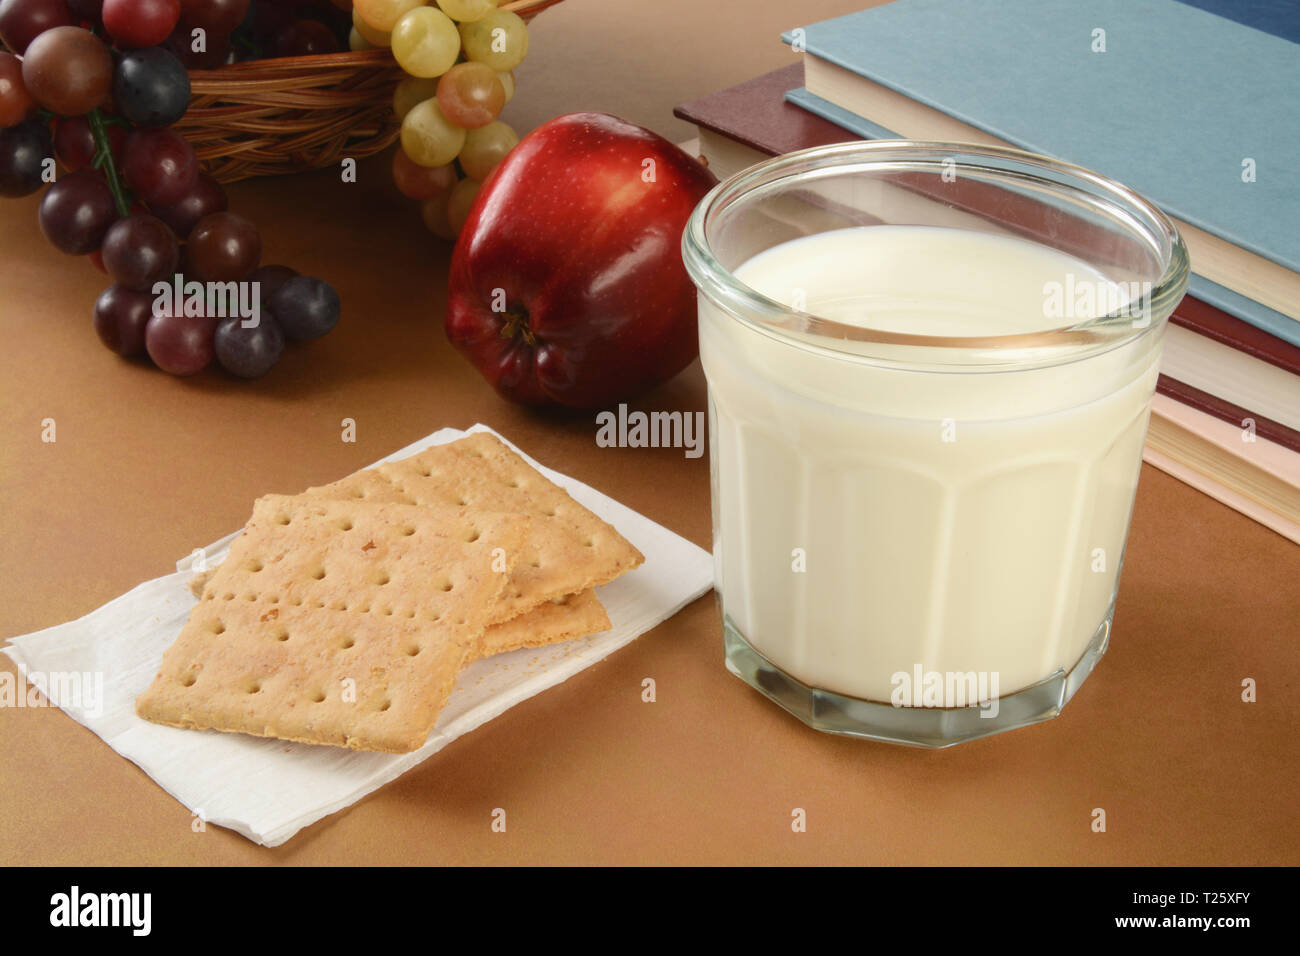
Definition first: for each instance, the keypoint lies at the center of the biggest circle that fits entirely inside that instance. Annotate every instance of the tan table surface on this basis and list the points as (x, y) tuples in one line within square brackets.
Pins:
[(147, 467)]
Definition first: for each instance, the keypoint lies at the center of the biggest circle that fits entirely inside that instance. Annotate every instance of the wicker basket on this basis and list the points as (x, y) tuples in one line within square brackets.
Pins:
[(287, 115)]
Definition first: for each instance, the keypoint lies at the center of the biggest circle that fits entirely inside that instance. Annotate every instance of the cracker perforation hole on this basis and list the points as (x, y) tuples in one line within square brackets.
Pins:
[(413, 650), (473, 535), (347, 643), (218, 627), (318, 697), (188, 680), (408, 530), (385, 705), (282, 634), (345, 524), (318, 573), (255, 687)]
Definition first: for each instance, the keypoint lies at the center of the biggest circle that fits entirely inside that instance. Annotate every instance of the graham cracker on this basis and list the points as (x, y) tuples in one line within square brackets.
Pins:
[(551, 622), (576, 615), (568, 550), (337, 622)]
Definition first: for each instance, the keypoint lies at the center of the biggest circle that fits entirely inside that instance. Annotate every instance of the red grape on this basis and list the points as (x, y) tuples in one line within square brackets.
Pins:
[(471, 94), (269, 279), (215, 17), (421, 182), (121, 315), (159, 166), (68, 70), (22, 21), (23, 151), (248, 352), (76, 211), (305, 38), (140, 23), (92, 11), (140, 250), (213, 54), (223, 247), (74, 143), (180, 344), (16, 104), (204, 198), (306, 308)]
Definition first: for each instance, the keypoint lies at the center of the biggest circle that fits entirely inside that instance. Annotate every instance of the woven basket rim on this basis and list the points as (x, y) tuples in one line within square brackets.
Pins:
[(347, 58)]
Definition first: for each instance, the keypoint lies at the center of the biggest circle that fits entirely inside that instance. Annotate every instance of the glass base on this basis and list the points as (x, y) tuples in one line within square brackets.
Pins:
[(929, 727)]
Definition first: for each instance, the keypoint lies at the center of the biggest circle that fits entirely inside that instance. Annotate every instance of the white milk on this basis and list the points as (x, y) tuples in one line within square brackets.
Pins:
[(957, 520)]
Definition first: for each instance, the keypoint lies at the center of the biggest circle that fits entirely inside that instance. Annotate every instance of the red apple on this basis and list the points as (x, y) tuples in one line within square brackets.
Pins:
[(567, 285)]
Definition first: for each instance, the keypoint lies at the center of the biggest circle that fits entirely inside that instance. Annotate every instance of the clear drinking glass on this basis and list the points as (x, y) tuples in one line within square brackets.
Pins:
[(928, 396)]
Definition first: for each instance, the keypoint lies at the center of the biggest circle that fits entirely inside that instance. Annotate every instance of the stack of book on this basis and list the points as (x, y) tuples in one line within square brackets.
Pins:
[(1193, 103)]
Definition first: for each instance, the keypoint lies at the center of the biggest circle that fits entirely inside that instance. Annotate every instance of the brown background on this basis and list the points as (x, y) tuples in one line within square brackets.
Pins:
[(147, 467)]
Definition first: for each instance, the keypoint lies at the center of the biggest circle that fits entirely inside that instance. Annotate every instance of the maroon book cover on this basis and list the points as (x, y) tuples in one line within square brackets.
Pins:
[(756, 114), (1228, 412)]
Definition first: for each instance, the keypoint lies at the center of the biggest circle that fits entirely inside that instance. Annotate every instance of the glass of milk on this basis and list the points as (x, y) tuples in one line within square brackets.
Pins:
[(930, 368)]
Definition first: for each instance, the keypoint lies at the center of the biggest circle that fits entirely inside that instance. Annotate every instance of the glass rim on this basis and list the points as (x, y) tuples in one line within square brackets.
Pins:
[(1078, 339)]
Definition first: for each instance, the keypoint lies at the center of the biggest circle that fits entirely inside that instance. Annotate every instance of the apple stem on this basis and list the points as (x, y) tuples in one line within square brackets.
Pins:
[(517, 323)]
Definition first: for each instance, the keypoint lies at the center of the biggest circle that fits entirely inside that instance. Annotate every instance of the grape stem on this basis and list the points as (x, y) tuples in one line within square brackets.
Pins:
[(104, 160)]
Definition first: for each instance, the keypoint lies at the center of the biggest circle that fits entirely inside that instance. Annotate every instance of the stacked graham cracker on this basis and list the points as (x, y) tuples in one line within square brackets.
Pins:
[(343, 615)]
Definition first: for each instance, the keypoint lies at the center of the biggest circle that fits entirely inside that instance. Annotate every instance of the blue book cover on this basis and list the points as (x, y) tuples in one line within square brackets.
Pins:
[(1172, 100), (1278, 17)]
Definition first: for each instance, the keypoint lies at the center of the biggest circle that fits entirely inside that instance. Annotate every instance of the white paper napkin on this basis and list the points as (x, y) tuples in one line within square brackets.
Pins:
[(270, 789)]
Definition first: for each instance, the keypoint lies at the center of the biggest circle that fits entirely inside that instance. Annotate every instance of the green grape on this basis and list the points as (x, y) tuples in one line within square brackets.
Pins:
[(465, 11), (459, 200), (484, 148), (500, 40), (425, 42), (508, 82), (412, 90), (471, 95), (368, 33), (384, 14), (434, 213), (357, 43), (428, 138)]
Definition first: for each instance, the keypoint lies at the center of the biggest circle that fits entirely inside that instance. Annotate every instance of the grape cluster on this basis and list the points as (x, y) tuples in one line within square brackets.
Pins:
[(459, 54), (96, 85)]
